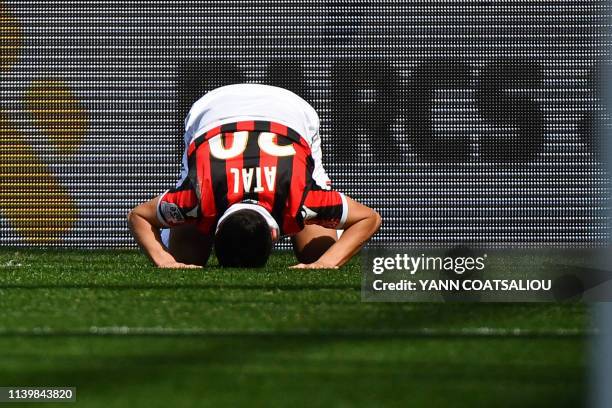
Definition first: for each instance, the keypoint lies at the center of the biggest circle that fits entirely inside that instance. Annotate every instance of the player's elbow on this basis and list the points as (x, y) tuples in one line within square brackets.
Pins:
[(375, 221), (130, 217), (378, 220)]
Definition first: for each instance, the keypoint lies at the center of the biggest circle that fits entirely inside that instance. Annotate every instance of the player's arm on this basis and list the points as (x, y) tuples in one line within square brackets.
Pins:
[(361, 223), (145, 225)]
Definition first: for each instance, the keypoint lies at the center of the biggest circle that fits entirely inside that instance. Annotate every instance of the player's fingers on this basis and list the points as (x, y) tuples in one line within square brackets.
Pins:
[(190, 266), (320, 266), (179, 265), (314, 265)]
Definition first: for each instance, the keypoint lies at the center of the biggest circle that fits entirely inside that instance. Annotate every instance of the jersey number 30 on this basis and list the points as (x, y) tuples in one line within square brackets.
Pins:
[(265, 141)]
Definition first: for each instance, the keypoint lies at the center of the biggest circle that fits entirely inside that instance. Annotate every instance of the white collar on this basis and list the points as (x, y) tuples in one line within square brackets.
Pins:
[(250, 205)]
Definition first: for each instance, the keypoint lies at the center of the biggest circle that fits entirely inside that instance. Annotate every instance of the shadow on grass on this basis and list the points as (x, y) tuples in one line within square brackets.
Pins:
[(165, 286), (265, 367)]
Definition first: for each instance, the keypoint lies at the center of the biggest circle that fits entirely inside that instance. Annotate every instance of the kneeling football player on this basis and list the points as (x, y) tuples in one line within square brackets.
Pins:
[(251, 173)]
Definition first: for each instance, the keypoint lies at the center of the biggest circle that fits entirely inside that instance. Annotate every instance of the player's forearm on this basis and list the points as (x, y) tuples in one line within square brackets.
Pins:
[(148, 238), (351, 241)]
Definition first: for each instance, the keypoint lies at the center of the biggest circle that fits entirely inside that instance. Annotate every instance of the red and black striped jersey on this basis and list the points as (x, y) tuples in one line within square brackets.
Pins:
[(254, 161)]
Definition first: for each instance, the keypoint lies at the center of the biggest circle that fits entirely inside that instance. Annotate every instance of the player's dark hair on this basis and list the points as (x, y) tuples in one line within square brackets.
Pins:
[(243, 240)]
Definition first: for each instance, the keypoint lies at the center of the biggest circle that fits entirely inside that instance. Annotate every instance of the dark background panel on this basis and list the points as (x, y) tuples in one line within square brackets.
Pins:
[(464, 122)]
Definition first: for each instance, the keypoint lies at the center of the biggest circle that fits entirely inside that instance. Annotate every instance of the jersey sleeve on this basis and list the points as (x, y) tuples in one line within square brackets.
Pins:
[(178, 206), (327, 208)]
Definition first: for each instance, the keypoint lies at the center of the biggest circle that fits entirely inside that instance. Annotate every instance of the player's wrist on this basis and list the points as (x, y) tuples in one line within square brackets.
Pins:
[(162, 258), (327, 262)]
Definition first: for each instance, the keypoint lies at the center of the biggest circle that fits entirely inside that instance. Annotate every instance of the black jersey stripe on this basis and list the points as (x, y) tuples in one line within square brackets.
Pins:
[(250, 160), (192, 178), (284, 173), (261, 126), (293, 135), (229, 127), (310, 184), (219, 184)]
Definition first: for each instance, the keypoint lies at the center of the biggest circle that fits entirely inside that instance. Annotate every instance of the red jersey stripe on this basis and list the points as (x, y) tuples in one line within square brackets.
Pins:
[(315, 198), (205, 180), (278, 129), (247, 125), (191, 149), (185, 198), (297, 188), (212, 132)]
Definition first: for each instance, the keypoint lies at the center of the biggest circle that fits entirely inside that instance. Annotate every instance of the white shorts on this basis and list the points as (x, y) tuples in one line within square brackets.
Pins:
[(165, 237)]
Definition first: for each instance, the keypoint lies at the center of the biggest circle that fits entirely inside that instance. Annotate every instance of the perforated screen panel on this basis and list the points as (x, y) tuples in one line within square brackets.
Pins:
[(461, 122)]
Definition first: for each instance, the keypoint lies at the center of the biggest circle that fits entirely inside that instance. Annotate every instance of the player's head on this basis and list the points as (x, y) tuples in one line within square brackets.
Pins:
[(245, 236)]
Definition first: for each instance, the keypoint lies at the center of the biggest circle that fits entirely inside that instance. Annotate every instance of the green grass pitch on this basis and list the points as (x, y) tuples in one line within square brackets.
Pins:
[(127, 334)]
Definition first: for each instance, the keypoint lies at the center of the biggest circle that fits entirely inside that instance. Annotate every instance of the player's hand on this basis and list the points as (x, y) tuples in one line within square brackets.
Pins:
[(178, 265), (314, 265)]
